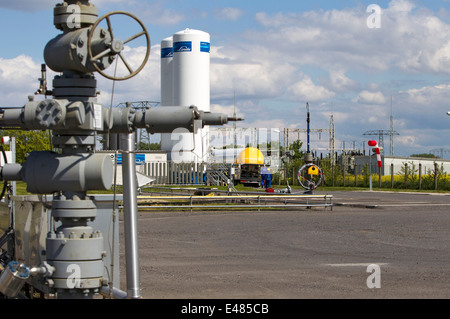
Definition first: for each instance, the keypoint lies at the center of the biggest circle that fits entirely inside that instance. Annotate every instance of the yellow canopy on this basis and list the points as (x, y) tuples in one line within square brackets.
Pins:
[(250, 155)]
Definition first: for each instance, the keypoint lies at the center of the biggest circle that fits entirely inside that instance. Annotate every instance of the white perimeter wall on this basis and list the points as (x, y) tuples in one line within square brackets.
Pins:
[(399, 162)]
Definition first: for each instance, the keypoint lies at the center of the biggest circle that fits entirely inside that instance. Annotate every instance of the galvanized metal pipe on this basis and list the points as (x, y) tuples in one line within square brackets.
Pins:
[(130, 215), (113, 293)]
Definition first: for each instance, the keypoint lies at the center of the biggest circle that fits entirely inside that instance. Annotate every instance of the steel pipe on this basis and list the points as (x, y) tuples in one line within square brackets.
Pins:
[(130, 215), (116, 293)]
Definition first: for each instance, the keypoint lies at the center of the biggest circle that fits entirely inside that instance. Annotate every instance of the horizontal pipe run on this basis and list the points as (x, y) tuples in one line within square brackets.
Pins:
[(240, 206), (240, 197), (328, 201)]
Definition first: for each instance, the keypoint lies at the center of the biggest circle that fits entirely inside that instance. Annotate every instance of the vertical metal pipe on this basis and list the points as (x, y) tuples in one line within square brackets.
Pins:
[(420, 175), (308, 129), (12, 148), (436, 175), (370, 170), (392, 175), (379, 177), (130, 215)]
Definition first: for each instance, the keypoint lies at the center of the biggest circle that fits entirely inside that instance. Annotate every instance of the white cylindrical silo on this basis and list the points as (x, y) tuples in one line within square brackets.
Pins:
[(191, 66), (191, 86), (166, 85)]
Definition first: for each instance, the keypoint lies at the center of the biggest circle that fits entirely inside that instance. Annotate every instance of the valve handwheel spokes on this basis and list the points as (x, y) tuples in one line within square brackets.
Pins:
[(310, 176), (116, 46)]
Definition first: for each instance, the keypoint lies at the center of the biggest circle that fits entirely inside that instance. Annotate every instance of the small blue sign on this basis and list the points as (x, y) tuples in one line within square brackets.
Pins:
[(183, 46), (166, 53), (140, 159), (205, 47)]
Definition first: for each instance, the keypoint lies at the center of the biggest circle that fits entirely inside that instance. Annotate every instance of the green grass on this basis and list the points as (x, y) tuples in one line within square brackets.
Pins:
[(22, 189)]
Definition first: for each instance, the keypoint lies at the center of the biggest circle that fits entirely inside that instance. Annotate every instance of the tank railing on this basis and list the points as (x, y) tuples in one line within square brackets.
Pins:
[(214, 178), (217, 174)]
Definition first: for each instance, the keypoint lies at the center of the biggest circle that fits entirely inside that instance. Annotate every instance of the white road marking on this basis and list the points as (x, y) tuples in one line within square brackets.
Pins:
[(355, 264)]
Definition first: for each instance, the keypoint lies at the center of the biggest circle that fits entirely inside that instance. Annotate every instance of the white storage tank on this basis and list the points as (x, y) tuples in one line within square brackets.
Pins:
[(191, 66), (191, 86), (166, 85)]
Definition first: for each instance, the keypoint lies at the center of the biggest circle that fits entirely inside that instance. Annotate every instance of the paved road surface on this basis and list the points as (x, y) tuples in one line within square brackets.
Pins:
[(302, 253)]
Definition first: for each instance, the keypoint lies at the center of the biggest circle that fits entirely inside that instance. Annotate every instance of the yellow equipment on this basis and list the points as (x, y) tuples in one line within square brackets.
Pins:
[(248, 170), (313, 170), (250, 155)]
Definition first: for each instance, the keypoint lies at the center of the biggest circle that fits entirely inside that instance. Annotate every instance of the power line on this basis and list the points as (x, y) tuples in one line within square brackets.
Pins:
[(440, 152), (381, 134)]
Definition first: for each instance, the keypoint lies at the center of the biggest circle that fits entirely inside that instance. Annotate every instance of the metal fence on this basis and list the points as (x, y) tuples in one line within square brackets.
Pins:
[(169, 173), (400, 176)]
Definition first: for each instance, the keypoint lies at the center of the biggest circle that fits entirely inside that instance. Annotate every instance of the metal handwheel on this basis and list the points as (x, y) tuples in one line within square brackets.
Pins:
[(116, 46), (310, 176)]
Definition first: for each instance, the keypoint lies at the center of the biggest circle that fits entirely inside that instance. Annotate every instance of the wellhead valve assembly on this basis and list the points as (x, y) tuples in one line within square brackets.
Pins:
[(75, 119)]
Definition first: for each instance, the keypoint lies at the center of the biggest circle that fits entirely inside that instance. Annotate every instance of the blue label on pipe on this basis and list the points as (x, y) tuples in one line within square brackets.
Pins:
[(184, 46), (205, 47), (166, 53)]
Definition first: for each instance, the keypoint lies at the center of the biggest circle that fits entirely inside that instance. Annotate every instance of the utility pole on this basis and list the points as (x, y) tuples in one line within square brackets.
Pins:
[(392, 132), (332, 137)]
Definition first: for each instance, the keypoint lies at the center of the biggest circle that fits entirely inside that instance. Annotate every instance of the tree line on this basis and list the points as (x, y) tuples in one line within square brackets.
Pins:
[(28, 141)]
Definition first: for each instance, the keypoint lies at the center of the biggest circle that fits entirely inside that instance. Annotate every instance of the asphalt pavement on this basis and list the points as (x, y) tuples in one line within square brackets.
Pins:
[(381, 245)]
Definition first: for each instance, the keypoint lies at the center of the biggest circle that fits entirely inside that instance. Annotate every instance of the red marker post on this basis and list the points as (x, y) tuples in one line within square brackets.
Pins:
[(374, 144), (5, 140)]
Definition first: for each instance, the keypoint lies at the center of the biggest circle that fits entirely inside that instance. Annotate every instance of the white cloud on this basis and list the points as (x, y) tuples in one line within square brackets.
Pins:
[(270, 123), (42, 5), (406, 140), (27, 5), (227, 109), (428, 139), (340, 117), (425, 107), (307, 91), (339, 81), (401, 6), (412, 40), (339, 42), (440, 60), (18, 79), (249, 73), (231, 14), (429, 97), (373, 119), (156, 13), (145, 86), (367, 97), (100, 3)]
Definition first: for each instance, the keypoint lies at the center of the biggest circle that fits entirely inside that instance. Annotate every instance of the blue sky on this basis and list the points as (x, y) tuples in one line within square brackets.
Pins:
[(276, 56)]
